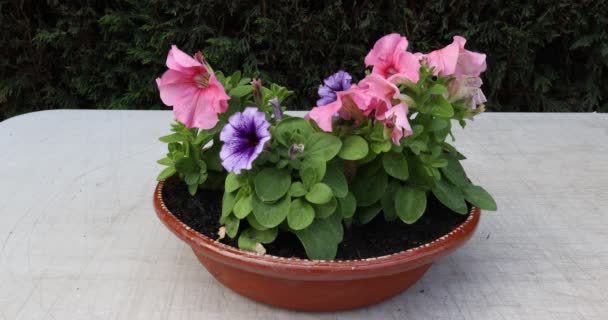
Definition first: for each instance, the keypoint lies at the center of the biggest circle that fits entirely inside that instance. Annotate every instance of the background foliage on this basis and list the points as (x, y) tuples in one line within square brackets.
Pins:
[(543, 55)]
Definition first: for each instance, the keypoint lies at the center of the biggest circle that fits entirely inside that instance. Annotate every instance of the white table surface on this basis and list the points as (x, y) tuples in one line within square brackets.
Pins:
[(79, 238)]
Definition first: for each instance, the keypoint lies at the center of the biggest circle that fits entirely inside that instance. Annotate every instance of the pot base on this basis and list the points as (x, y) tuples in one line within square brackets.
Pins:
[(311, 295)]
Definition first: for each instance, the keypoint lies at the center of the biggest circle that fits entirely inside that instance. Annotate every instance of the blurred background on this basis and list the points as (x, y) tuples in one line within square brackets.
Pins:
[(543, 56)]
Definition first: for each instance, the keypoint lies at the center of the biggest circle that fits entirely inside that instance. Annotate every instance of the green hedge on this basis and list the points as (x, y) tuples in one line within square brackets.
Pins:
[(545, 55)]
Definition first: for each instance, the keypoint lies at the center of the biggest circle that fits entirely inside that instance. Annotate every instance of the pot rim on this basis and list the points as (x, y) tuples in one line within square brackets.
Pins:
[(357, 268)]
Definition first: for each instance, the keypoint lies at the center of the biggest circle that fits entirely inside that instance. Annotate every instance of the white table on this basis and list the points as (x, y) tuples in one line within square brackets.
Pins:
[(79, 238)]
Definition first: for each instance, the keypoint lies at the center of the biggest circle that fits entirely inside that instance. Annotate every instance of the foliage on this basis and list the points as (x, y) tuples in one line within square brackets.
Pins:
[(543, 55), (301, 183)]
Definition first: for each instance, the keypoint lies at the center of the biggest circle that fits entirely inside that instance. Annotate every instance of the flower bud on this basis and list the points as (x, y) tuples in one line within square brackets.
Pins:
[(276, 108), (257, 89), (294, 150)]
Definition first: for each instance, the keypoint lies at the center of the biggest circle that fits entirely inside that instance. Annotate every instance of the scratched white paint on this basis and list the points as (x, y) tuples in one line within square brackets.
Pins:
[(79, 238)]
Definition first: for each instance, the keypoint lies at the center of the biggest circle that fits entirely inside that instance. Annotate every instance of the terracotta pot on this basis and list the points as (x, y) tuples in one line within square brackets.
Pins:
[(301, 284)]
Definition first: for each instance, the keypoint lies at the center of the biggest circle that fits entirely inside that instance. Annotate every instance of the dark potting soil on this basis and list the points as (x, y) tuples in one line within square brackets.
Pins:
[(377, 238)]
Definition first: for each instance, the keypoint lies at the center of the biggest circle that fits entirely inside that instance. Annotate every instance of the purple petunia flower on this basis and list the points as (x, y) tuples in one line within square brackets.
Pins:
[(338, 81), (244, 137)]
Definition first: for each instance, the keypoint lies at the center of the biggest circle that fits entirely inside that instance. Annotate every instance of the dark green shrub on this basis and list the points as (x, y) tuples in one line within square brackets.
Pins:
[(542, 55)]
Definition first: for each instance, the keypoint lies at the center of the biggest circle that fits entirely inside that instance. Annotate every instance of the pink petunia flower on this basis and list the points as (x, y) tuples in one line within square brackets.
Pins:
[(396, 120), (454, 59), (391, 60), (381, 92), (191, 88), (386, 106), (349, 104), (374, 96)]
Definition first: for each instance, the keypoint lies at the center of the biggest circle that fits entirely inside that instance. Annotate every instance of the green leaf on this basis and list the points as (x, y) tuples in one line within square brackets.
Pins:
[(297, 189), (353, 148), (419, 174), (242, 205), (378, 132), (323, 211), (321, 238), (301, 214), (228, 201), (262, 236), (253, 222), (479, 197), (192, 178), (453, 152), (450, 196), (442, 108), (438, 89), (371, 156), (249, 239), (318, 166), (232, 225), (166, 161), (395, 165), (271, 184), (232, 183), (319, 193), (241, 91), (335, 179), (322, 145), (369, 190), (174, 137), (410, 203), (192, 189), (234, 78), (282, 163), (166, 173), (454, 172), (381, 146), (367, 214), (204, 136), (441, 135), (289, 127), (438, 124), (212, 158), (347, 205), (439, 163), (271, 215), (388, 201), (186, 165), (309, 176)]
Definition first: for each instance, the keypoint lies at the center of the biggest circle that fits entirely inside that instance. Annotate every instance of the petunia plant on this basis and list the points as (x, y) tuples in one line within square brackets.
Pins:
[(374, 149)]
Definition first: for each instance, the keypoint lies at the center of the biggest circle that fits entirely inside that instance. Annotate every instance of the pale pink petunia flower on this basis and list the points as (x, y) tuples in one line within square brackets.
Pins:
[(191, 88), (391, 60), (467, 88), (469, 63), (454, 59)]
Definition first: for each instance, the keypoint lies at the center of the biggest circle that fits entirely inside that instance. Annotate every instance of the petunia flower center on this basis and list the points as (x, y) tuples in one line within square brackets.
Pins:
[(252, 139), (350, 107), (390, 122), (202, 80)]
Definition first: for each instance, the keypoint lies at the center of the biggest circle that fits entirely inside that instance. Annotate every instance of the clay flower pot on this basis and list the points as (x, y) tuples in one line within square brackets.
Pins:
[(301, 284)]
